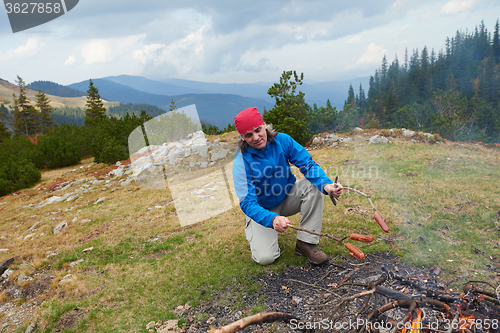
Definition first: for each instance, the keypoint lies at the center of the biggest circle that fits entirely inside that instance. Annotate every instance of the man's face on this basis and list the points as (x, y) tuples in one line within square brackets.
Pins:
[(256, 138)]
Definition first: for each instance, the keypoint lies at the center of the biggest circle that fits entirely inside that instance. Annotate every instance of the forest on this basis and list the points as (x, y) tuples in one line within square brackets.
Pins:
[(455, 92)]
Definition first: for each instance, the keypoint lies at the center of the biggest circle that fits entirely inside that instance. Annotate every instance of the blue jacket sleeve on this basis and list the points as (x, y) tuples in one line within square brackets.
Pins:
[(245, 190), (300, 157)]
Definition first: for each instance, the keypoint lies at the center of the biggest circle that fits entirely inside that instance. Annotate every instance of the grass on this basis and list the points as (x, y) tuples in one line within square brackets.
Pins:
[(440, 201)]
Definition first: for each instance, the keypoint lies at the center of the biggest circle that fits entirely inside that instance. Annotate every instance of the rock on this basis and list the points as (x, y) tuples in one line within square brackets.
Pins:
[(85, 221), (429, 136), (67, 276), (60, 227), (74, 263), (219, 154), (179, 310), (151, 324), (4, 250), (211, 320), (31, 328), (357, 129), (99, 201), (378, 139), (75, 219), (24, 278), (32, 227), (88, 249), (29, 236), (7, 273), (333, 137), (126, 182), (317, 141), (118, 172), (408, 133), (169, 326)]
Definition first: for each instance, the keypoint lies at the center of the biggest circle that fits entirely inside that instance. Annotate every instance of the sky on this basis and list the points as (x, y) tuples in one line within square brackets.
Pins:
[(236, 41)]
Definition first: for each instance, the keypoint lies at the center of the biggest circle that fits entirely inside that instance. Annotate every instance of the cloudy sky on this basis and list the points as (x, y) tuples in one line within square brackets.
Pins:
[(234, 41)]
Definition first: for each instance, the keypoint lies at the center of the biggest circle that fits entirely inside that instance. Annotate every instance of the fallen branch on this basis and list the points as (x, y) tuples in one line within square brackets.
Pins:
[(255, 319)]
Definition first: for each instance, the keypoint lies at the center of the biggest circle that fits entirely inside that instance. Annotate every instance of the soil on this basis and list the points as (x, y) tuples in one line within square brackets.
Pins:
[(69, 320), (297, 290)]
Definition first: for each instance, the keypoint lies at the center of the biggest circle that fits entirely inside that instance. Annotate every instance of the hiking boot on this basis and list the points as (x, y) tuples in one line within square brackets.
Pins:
[(311, 251)]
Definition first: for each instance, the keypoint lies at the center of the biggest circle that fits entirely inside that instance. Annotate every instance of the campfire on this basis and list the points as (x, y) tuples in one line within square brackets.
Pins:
[(378, 295), (372, 307)]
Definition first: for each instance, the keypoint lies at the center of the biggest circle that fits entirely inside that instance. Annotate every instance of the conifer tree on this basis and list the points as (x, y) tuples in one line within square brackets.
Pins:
[(289, 114), (496, 43), (4, 131), (26, 118), (95, 108), (172, 106), (42, 103)]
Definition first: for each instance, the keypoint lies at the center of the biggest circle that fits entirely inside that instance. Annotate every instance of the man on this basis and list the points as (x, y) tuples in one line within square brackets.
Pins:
[(268, 191)]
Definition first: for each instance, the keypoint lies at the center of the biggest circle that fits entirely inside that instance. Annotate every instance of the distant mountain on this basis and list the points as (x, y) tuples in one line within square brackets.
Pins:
[(315, 92), (112, 91), (254, 90), (154, 87), (55, 89), (335, 91), (214, 109)]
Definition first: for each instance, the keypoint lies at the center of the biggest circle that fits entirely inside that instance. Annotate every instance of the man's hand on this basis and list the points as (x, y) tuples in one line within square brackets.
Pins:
[(280, 223), (333, 189)]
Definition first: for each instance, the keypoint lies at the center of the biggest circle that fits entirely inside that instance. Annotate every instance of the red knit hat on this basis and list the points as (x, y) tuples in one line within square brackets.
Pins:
[(247, 120)]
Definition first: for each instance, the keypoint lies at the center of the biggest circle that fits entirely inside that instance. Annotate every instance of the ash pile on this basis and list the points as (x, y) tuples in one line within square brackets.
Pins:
[(380, 295)]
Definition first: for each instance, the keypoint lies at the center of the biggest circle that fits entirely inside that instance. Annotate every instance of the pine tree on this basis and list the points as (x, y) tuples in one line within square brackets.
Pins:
[(350, 103), (26, 118), (172, 106), (4, 131), (95, 108), (42, 103), (289, 114), (496, 43)]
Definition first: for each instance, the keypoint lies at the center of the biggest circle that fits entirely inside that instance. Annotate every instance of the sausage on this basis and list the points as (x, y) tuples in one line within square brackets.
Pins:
[(381, 222), (354, 251), (361, 238)]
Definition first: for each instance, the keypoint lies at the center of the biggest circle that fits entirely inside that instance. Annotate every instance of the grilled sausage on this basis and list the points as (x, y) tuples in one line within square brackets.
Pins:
[(355, 252), (381, 222)]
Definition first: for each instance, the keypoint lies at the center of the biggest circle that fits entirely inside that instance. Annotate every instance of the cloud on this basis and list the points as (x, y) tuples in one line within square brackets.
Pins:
[(29, 49), (355, 39), (70, 61), (179, 57), (457, 6), (373, 55), (102, 50)]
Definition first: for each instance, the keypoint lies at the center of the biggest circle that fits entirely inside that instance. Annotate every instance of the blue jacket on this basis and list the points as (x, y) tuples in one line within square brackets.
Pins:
[(262, 178)]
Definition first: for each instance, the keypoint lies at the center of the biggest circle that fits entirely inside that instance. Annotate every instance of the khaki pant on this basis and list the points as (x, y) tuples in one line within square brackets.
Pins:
[(303, 197)]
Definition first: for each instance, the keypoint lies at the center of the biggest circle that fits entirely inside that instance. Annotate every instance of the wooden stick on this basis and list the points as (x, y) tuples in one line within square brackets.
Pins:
[(316, 233), (255, 319), (363, 194)]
